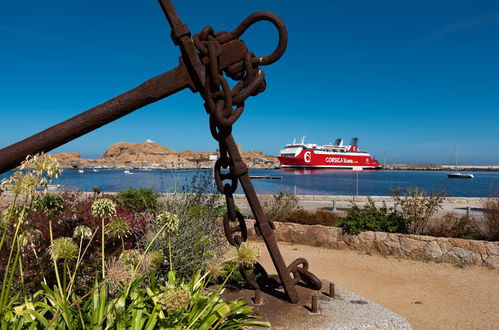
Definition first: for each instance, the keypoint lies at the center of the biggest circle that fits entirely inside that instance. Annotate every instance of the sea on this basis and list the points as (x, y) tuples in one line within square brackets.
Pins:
[(292, 181)]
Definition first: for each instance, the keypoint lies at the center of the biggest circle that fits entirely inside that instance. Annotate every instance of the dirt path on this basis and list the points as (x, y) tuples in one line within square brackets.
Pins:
[(429, 295)]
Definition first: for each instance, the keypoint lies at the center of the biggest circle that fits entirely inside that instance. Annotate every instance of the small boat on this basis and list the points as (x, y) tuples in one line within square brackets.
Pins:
[(95, 170), (81, 171), (53, 187), (265, 177), (127, 172), (457, 175)]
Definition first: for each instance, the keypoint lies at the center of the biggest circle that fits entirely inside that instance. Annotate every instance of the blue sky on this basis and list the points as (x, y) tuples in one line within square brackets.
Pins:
[(409, 78)]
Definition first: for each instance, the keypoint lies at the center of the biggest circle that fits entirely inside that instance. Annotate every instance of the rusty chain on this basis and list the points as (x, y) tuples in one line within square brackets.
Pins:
[(224, 107)]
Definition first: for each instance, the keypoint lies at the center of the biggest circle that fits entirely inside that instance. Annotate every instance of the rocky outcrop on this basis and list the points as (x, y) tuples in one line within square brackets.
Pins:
[(150, 154), (66, 157), (453, 250)]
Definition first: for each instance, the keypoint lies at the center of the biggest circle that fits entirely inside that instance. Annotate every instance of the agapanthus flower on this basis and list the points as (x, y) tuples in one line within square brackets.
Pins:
[(130, 257), (247, 254), (156, 258), (20, 183), (32, 238), (103, 207), (82, 232), (13, 212), (63, 248), (51, 204), (169, 221), (117, 272), (174, 300), (118, 228), (45, 166), (215, 269)]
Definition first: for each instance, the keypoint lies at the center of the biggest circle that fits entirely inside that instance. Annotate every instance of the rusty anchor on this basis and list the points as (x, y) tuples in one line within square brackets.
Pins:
[(205, 58)]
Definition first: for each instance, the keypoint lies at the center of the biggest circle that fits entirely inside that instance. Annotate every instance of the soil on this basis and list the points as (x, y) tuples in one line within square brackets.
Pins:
[(430, 295)]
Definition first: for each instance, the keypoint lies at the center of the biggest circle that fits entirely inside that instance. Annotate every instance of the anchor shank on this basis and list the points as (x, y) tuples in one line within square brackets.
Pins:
[(262, 222)]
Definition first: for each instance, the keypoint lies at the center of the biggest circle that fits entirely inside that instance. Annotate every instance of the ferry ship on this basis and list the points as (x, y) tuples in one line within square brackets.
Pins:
[(337, 155)]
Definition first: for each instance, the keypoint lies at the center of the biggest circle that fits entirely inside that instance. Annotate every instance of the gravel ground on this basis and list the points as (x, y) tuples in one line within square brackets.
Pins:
[(429, 295)]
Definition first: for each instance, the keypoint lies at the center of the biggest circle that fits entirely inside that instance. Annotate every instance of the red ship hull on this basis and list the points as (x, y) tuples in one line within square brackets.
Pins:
[(320, 158)]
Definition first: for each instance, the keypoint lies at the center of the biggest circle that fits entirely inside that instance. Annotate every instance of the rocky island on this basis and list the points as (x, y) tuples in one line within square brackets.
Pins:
[(150, 155)]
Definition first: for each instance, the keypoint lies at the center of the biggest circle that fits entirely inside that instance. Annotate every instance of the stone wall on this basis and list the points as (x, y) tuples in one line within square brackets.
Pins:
[(453, 250)]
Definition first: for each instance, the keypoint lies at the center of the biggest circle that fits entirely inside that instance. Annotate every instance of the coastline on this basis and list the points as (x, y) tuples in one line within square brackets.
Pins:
[(86, 165), (440, 167)]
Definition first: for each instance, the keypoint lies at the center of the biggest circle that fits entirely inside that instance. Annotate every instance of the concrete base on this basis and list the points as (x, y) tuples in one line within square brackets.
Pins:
[(345, 311)]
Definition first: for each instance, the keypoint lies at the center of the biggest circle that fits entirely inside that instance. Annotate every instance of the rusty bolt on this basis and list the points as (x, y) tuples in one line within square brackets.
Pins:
[(314, 304), (331, 290), (258, 298)]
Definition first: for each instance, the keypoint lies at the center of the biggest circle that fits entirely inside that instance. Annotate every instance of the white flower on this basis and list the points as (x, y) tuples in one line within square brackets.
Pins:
[(82, 232), (170, 221), (103, 207)]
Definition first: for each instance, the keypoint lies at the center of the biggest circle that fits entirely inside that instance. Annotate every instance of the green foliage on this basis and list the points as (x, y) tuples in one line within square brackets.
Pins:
[(316, 217), (51, 204), (235, 278), (176, 305), (132, 293), (198, 238), (137, 200), (277, 207), (370, 218), (452, 225), (418, 206), (489, 226)]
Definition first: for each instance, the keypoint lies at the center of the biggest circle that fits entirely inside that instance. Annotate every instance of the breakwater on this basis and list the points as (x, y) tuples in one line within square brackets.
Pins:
[(439, 167)]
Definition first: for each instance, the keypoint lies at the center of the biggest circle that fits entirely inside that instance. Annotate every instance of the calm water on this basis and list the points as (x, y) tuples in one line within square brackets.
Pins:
[(315, 182)]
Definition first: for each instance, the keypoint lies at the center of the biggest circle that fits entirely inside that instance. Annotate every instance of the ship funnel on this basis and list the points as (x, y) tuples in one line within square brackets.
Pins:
[(354, 142), (338, 142)]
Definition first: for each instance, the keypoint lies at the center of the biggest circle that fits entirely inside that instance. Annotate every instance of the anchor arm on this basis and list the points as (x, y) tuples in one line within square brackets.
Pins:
[(148, 92)]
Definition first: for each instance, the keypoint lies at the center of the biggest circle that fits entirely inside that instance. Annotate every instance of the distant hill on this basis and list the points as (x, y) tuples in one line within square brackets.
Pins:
[(150, 154)]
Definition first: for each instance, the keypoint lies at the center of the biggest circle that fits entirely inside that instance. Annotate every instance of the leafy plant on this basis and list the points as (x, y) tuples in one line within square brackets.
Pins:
[(418, 206), (277, 207), (489, 226), (370, 218), (51, 204), (199, 238), (23, 185), (452, 225), (137, 200), (103, 208), (316, 217)]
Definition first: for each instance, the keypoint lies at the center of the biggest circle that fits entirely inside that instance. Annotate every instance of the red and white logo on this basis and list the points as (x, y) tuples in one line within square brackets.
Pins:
[(307, 157)]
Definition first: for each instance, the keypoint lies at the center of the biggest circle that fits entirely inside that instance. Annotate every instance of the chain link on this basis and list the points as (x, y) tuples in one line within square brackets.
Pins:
[(224, 106)]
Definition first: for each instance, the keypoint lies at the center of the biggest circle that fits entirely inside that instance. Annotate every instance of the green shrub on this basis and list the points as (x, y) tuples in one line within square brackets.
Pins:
[(51, 204), (452, 225), (489, 224), (199, 237), (418, 206), (277, 207), (137, 200), (317, 217), (371, 218)]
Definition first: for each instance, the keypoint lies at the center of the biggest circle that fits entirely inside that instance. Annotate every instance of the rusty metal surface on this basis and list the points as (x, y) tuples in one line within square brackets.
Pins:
[(206, 59)]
